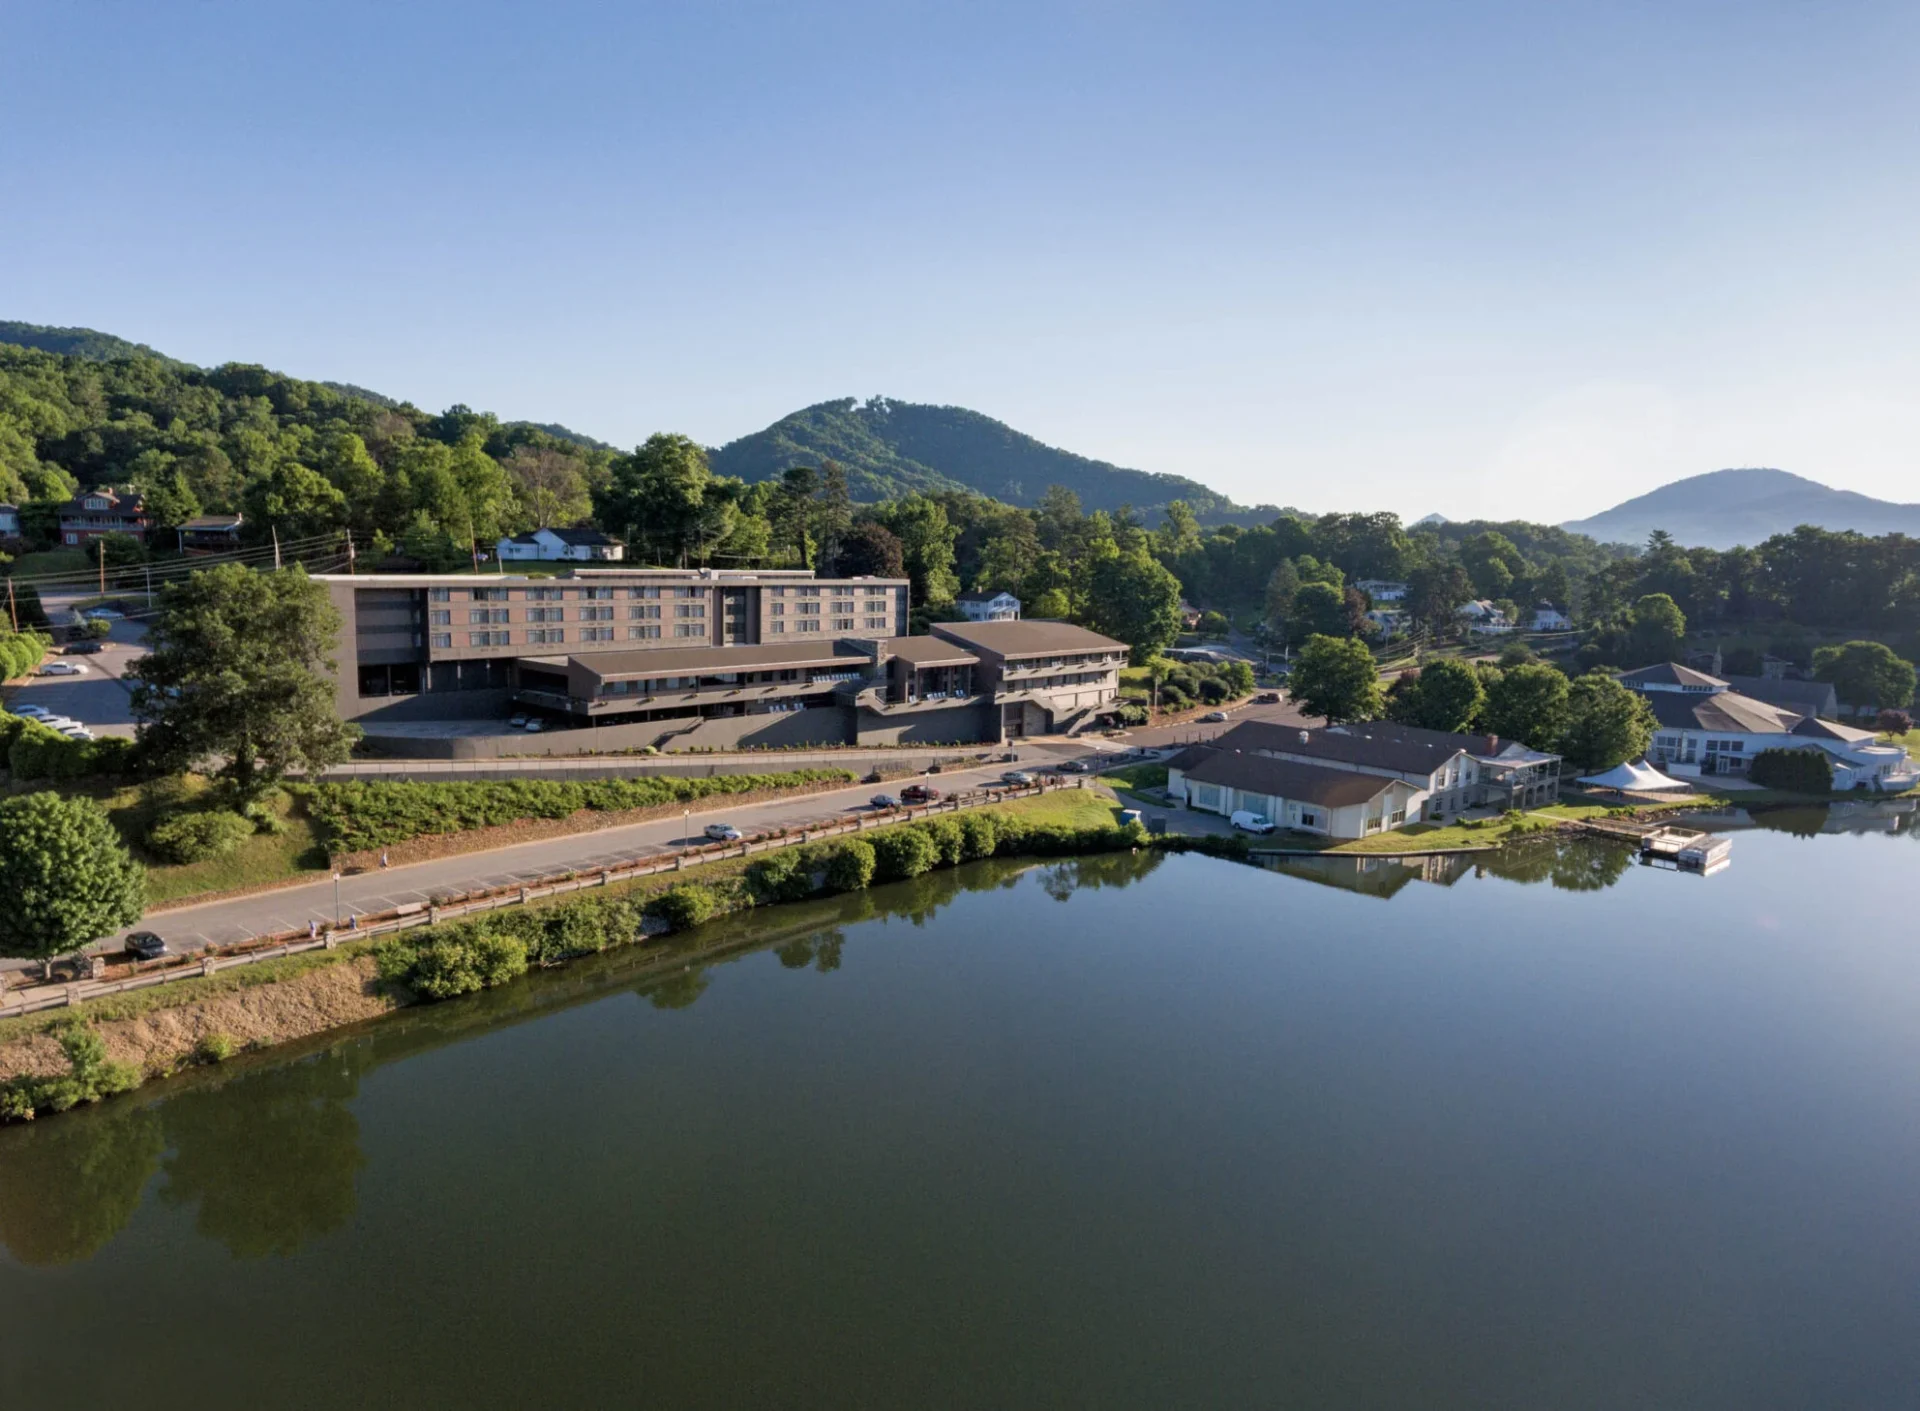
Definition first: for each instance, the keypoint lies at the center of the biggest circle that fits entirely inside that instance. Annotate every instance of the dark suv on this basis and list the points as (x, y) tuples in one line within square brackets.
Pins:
[(920, 793), (144, 945)]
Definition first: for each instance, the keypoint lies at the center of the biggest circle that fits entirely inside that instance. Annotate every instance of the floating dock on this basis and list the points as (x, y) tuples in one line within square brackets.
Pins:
[(1687, 848)]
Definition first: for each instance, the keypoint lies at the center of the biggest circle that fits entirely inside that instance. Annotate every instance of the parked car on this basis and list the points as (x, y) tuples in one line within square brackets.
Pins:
[(920, 793), (884, 801), (32, 712), (76, 732), (59, 722), (1074, 766), (103, 615), (82, 649), (1018, 778), (64, 668), (518, 722), (723, 832), (1214, 717), (1267, 698), (534, 727), (144, 945), (1248, 822)]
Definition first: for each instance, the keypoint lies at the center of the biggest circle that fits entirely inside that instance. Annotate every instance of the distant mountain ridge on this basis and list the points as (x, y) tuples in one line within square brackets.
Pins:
[(891, 447), (1725, 508)]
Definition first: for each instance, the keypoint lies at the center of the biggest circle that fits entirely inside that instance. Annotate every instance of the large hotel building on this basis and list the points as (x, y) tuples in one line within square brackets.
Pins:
[(707, 659)]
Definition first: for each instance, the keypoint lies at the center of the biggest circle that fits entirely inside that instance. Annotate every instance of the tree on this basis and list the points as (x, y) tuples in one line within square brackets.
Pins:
[(72, 1186), (67, 877), (1893, 722), (1866, 675), (656, 498), (239, 670), (1529, 704), (1435, 593), (295, 501), (926, 540), (1320, 608), (1657, 629), (1606, 723), (1214, 624), (1283, 585), (550, 485), (1444, 695), (1179, 530), (1335, 678), (1134, 598), (870, 550)]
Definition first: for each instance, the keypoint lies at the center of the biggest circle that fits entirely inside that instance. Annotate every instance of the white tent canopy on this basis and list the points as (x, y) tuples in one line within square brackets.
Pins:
[(1635, 776)]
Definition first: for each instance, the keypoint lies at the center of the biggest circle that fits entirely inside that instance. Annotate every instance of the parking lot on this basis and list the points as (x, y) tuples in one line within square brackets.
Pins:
[(99, 700)]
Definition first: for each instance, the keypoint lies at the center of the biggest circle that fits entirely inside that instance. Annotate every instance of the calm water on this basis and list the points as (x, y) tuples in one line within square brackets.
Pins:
[(1562, 1131)]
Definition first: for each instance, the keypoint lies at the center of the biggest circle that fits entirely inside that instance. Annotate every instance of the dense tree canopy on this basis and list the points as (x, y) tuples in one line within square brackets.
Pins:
[(65, 874), (1335, 678)]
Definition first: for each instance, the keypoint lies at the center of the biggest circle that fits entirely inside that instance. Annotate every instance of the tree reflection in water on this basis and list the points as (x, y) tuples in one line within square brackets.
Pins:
[(269, 1159), (69, 1184)]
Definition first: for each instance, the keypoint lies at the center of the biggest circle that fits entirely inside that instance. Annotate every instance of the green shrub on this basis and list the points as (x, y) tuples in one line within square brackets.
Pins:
[(1213, 690), (452, 961), (1173, 698), (196, 837), (780, 876), (215, 1048), (1798, 771), (1131, 714), (949, 840), (35, 751), (850, 864), (686, 905), (582, 926), (900, 853), (980, 835)]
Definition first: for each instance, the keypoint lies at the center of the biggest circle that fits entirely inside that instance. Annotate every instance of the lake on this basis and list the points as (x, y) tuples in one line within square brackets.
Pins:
[(1544, 1128)]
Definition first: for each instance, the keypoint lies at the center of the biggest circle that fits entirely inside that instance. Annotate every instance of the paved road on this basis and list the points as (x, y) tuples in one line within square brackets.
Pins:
[(291, 908)]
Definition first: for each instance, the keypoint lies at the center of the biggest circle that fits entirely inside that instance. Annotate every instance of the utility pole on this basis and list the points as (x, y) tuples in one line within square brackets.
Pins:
[(13, 611), (100, 548), (149, 572), (276, 548), (349, 553)]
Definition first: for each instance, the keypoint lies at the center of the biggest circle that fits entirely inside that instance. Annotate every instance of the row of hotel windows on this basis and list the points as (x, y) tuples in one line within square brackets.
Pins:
[(840, 624), (547, 636), (479, 617), (554, 595)]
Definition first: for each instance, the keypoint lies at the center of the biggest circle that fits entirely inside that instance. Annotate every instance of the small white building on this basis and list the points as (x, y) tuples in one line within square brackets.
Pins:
[(1306, 798), (981, 606), (561, 546), (1388, 622), (1548, 618), (1382, 590), (1482, 616), (9, 521)]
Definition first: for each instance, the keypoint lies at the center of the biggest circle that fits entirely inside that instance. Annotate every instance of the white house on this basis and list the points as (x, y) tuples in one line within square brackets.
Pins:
[(1707, 727), (981, 606), (1388, 622), (1482, 616), (556, 545), (1382, 590), (1548, 618), (1306, 798), (9, 521)]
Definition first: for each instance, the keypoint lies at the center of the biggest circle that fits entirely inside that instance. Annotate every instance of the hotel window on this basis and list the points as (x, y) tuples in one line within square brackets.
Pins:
[(641, 634), (809, 624), (443, 639), (540, 635), (644, 610), (440, 595), (596, 634), (779, 609), (686, 592), (843, 604), (486, 615), (876, 624), (643, 592), (442, 617), (874, 592), (597, 594), (489, 639), (691, 610), (843, 624), (690, 629), (546, 614), (541, 595), (810, 607), (776, 627), (778, 592), (596, 614), (809, 592), (490, 595)]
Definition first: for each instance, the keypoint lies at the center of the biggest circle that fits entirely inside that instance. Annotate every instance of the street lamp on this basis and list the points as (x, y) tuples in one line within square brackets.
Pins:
[(336, 901)]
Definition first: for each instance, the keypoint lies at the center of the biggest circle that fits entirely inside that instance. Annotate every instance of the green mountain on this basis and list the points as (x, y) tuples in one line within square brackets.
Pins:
[(77, 342), (890, 448)]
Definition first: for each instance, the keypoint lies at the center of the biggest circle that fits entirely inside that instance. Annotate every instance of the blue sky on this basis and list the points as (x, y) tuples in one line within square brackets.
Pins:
[(1520, 260)]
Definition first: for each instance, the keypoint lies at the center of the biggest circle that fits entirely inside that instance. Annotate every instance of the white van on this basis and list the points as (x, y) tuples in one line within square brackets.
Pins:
[(1248, 822)]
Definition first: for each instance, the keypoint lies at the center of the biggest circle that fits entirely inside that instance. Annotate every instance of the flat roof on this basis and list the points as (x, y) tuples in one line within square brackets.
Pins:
[(709, 661), (1284, 778), (1029, 638), (929, 651)]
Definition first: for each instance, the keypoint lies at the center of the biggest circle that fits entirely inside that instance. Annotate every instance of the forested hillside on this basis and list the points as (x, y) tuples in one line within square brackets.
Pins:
[(79, 342), (890, 447)]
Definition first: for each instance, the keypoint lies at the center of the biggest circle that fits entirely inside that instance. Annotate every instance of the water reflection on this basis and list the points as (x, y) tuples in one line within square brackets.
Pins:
[(1570, 864), (266, 1153)]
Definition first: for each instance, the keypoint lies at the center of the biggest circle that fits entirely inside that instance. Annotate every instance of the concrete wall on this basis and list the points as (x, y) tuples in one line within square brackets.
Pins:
[(968, 723), (826, 726)]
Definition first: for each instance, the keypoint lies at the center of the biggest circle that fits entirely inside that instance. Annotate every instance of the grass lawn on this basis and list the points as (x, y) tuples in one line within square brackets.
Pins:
[(1910, 742), (263, 858), (1072, 808), (50, 561), (1137, 776)]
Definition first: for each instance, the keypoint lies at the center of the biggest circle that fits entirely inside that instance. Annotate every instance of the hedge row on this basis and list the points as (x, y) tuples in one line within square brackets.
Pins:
[(20, 652), (460, 957), (378, 813), (1798, 771), (36, 751)]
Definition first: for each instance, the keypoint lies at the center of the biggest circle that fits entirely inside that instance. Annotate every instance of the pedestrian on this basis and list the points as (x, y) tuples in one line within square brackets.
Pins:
[(313, 929), (383, 857), (353, 924)]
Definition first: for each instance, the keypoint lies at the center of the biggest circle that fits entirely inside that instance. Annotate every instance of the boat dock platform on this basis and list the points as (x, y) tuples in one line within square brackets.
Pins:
[(1688, 848)]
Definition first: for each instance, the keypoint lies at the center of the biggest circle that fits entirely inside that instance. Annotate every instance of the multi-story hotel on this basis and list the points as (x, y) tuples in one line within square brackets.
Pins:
[(707, 659)]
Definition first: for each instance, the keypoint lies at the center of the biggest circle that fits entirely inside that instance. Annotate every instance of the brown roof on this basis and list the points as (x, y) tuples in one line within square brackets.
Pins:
[(1668, 673), (1372, 744), (709, 661), (1033, 637), (1724, 712), (1284, 778), (1806, 697), (1819, 729), (928, 651)]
